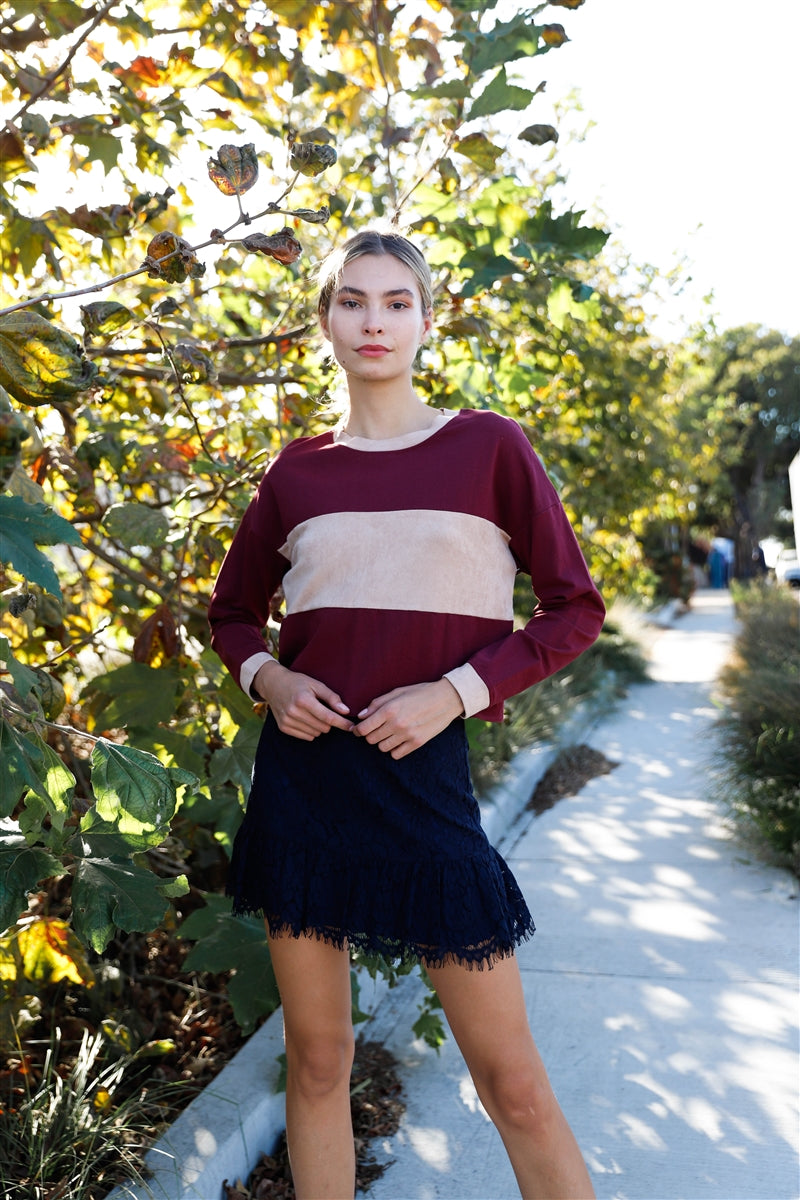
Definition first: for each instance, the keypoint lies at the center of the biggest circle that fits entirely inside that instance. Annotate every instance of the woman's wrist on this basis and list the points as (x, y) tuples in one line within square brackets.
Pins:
[(260, 687)]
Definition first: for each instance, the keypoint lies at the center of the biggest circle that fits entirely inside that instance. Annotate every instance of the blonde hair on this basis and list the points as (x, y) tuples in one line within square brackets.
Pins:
[(373, 241)]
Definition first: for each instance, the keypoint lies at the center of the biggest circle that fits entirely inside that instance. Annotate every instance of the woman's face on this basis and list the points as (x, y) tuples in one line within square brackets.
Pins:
[(375, 321)]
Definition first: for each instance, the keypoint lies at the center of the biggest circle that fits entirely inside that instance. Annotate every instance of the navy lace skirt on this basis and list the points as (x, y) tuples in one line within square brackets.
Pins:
[(341, 841)]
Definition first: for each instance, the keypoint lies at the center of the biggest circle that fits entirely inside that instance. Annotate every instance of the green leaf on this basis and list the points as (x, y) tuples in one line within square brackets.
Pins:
[(23, 678), (478, 148), (102, 839), (223, 942), (430, 1028), (142, 697), (136, 525), (234, 763), (452, 89), (499, 96), (104, 148), (105, 316), (22, 867), (233, 701), (253, 992), (172, 888), (27, 762), (108, 895), (39, 362), (23, 526), (228, 943), (488, 267), (564, 235), (505, 43), (133, 791), (176, 748), (562, 303)]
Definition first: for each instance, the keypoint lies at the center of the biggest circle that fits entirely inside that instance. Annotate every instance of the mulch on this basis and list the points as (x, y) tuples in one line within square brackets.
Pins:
[(573, 767), (376, 1104)]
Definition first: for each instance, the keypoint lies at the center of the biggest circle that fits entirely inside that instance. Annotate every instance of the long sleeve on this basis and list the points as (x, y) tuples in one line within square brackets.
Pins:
[(569, 613), (248, 579)]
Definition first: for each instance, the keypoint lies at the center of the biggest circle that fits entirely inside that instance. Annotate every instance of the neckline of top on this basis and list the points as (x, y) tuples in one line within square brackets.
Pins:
[(402, 442)]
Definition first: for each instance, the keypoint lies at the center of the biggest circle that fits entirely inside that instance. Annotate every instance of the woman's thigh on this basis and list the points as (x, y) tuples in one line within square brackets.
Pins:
[(314, 983), (486, 1012)]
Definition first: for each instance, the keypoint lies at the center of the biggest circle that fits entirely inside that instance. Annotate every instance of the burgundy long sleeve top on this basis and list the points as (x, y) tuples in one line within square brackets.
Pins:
[(397, 559)]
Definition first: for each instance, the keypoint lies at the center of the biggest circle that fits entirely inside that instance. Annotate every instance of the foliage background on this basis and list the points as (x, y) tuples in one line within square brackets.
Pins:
[(134, 427)]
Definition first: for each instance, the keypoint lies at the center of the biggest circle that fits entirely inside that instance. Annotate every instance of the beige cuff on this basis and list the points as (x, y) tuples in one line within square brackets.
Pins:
[(250, 668), (473, 691)]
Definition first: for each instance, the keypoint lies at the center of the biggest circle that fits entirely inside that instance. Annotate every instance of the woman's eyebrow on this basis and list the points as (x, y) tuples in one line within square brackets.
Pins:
[(354, 291)]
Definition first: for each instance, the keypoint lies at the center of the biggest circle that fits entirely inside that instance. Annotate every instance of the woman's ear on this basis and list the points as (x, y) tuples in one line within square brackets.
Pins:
[(427, 324), (323, 324)]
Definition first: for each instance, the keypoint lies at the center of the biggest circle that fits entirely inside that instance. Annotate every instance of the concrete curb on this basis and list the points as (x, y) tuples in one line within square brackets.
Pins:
[(222, 1133)]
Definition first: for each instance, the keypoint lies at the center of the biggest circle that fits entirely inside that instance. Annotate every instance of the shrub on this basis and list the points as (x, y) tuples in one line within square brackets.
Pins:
[(64, 1131), (759, 731)]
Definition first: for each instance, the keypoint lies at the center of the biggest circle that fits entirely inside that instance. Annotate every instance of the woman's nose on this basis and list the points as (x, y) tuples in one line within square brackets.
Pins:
[(372, 323)]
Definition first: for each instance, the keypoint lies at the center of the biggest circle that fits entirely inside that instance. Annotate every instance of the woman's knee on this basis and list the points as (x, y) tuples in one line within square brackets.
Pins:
[(517, 1097), (319, 1063)]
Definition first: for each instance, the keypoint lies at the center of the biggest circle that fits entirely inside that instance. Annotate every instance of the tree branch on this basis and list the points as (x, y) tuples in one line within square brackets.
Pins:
[(57, 72)]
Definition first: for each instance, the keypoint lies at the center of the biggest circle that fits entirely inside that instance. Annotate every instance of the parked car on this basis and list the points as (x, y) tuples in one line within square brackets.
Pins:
[(787, 568)]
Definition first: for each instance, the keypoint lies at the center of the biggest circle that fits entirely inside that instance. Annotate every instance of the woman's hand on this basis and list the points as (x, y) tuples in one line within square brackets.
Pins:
[(408, 717), (303, 707)]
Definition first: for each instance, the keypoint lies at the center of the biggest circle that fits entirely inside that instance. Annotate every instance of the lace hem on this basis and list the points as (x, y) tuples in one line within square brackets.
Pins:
[(440, 911)]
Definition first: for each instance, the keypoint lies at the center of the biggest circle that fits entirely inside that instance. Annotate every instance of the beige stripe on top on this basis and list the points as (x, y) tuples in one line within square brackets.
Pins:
[(373, 560)]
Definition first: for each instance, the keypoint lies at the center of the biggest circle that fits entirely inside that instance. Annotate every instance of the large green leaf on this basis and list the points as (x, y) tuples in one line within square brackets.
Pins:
[(142, 697), (39, 362), (133, 790), (234, 763), (25, 526), (27, 762), (563, 302), (109, 895), (499, 96), (22, 867), (563, 236), (505, 43), (228, 943), (253, 991), (222, 941), (23, 678), (98, 838), (478, 148), (136, 525)]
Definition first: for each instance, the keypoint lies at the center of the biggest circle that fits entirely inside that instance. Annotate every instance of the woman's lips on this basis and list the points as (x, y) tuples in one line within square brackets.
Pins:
[(369, 351)]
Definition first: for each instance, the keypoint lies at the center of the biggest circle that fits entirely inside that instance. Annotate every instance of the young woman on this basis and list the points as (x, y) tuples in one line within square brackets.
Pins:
[(396, 539)]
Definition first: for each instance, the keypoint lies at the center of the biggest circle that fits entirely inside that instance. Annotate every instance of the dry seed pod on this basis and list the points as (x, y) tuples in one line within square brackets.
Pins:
[(171, 258), (311, 158), (282, 246), (235, 169)]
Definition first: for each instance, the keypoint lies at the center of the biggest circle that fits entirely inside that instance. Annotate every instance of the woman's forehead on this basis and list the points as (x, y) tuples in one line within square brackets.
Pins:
[(377, 273)]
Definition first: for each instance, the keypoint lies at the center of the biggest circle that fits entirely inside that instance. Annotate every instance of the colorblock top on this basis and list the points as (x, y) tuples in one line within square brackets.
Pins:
[(397, 560)]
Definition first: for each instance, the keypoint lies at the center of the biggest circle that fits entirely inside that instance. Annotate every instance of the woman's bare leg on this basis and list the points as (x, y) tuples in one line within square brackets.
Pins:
[(314, 983), (486, 1012)]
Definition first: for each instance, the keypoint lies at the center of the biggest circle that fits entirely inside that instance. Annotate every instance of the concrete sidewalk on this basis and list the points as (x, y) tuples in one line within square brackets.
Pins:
[(662, 981)]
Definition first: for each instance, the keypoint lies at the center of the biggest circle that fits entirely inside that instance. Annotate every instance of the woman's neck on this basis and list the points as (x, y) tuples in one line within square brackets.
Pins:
[(379, 416)]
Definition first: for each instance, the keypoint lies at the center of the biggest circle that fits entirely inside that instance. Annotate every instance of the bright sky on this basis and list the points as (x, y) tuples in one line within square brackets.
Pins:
[(694, 152)]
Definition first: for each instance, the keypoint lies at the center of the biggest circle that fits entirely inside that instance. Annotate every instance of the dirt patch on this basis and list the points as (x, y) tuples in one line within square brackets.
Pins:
[(376, 1104), (572, 769)]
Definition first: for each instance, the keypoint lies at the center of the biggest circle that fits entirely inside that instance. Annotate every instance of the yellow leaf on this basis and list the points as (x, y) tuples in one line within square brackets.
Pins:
[(51, 952)]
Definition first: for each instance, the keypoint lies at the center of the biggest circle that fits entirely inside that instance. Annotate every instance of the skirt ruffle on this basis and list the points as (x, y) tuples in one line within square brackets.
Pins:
[(342, 842)]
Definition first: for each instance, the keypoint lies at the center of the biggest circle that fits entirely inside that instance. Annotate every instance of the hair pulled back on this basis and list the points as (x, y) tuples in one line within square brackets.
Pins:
[(373, 241)]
